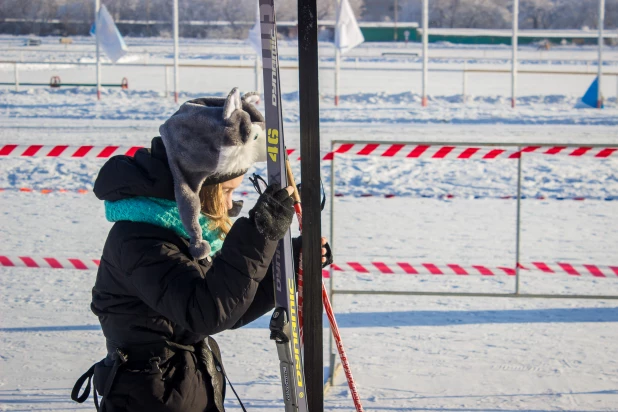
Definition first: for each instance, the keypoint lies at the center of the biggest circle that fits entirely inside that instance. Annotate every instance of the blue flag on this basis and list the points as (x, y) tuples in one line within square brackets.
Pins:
[(591, 96)]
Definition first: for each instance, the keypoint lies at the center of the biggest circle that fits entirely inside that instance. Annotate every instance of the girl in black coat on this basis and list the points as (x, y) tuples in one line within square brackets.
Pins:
[(157, 304)]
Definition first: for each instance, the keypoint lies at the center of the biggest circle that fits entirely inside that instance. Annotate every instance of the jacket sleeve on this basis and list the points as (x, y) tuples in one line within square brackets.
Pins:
[(171, 283), (263, 302)]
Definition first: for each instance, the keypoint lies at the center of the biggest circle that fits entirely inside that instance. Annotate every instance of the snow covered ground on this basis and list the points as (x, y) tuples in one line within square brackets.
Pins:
[(372, 68), (407, 353)]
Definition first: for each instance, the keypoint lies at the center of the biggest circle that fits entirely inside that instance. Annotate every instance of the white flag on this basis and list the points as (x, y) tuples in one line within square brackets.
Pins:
[(347, 33), (255, 34), (110, 38)]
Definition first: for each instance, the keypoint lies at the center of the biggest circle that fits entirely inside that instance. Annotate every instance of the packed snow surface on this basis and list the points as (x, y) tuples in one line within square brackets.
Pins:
[(432, 353)]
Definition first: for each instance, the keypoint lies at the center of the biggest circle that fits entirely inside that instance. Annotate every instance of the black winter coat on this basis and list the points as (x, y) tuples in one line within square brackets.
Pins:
[(150, 290)]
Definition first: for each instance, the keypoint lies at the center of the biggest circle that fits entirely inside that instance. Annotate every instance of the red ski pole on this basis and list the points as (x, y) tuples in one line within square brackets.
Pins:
[(325, 300), (299, 217)]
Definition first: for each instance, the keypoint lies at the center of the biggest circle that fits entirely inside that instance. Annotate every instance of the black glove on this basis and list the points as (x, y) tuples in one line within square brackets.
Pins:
[(297, 244), (273, 213), (328, 256)]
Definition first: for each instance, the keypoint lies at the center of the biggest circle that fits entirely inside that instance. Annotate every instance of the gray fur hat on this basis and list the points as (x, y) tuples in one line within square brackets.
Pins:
[(211, 140)]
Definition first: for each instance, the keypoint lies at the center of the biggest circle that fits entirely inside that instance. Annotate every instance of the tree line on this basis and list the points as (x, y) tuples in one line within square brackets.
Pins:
[(497, 14), (75, 15)]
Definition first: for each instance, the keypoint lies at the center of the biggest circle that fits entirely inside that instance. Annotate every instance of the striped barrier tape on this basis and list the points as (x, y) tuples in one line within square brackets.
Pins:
[(66, 151), (375, 267), (365, 149), (49, 262), (44, 191), (472, 270), (75, 152), (461, 152), (73, 191), (446, 196)]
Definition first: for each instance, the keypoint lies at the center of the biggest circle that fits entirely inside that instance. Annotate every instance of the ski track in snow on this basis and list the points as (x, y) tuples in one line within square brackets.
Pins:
[(543, 175), (407, 353), (402, 108)]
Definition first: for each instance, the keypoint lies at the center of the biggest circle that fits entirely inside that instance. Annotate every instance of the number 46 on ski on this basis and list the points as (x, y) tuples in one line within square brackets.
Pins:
[(284, 322)]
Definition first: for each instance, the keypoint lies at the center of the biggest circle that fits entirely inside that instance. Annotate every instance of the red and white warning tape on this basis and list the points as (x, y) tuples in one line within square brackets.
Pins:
[(461, 152), (451, 196), (66, 151), (386, 196), (49, 262), (384, 268), (74, 152), (44, 191), (365, 149), (472, 270)]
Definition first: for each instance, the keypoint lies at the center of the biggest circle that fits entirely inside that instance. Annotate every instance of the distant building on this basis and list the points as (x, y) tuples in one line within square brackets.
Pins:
[(504, 36), (372, 31)]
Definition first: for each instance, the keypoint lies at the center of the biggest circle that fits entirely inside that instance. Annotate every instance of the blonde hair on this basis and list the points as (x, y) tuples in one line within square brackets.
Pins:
[(215, 208)]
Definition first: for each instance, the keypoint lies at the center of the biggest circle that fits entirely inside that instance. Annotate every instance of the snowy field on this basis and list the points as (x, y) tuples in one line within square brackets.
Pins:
[(407, 352)]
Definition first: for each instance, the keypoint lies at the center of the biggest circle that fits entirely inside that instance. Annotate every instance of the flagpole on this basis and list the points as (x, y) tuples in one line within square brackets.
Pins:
[(255, 39), (396, 10), (425, 49), (337, 69), (257, 73), (337, 53), (514, 51), (600, 63), (176, 51), (97, 7), (347, 36)]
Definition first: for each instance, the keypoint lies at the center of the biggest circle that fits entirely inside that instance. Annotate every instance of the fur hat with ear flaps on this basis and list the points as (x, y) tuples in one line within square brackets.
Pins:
[(211, 140)]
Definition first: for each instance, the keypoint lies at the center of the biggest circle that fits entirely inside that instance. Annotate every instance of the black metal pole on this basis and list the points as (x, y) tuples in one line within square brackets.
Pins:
[(310, 198)]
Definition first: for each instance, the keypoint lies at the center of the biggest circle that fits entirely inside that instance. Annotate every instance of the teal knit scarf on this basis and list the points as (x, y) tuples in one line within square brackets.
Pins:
[(158, 212)]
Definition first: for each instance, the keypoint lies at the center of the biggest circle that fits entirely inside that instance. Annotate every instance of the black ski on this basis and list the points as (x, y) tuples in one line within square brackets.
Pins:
[(310, 198), (284, 322)]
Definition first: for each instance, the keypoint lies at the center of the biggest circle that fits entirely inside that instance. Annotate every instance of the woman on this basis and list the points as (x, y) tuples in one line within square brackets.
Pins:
[(156, 302)]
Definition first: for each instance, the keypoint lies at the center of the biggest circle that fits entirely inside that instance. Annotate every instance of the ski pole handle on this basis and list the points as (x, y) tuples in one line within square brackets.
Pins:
[(295, 194), (292, 182)]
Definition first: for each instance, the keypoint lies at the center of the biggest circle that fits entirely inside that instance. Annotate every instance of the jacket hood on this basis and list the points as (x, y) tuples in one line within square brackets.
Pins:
[(213, 137), (145, 174)]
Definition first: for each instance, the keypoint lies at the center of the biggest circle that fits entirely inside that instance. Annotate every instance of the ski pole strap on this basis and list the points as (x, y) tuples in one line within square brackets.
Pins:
[(119, 359), (216, 352), (80, 382), (78, 385), (259, 184)]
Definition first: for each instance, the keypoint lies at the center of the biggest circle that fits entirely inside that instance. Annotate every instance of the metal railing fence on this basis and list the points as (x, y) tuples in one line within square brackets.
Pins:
[(516, 267), (254, 65)]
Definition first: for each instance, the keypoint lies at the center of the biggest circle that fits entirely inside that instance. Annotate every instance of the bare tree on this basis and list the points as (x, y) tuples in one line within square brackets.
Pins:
[(411, 10), (469, 13), (535, 14), (486, 14), (574, 14), (327, 9), (379, 10), (611, 14)]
